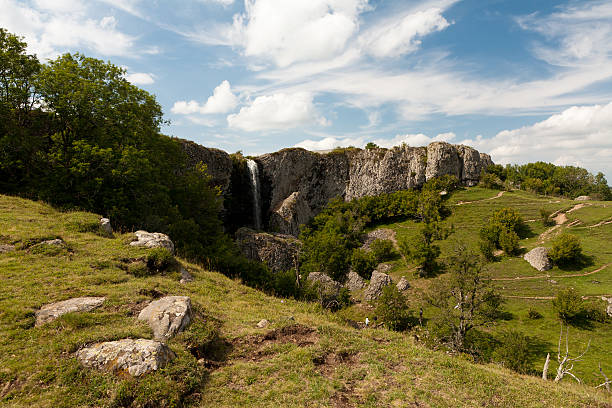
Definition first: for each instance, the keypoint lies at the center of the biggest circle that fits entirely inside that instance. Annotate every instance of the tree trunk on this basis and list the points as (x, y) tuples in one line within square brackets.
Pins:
[(545, 370)]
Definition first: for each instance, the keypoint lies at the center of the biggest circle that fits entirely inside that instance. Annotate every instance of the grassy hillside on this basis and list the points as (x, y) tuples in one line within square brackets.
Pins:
[(524, 287), (308, 357)]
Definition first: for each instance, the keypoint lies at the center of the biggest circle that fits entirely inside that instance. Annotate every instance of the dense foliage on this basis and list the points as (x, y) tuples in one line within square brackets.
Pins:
[(566, 250), (392, 309), (75, 133), (502, 231), (547, 178), (568, 305)]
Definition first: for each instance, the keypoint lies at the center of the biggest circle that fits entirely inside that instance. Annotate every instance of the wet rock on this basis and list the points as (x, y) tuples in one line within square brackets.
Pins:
[(538, 258), (129, 356), (50, 312), (167, 316), (377, 283), (153, 240)]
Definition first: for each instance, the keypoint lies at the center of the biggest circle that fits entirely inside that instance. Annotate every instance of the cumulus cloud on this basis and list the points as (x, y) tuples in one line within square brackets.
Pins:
[(580, 135), (140, 78), (50, 27), (222, 100), (402, 35), (277, 112), (331, 142)]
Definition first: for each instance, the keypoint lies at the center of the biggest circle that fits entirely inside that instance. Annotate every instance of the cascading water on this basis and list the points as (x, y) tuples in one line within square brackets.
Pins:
[(254, 173)]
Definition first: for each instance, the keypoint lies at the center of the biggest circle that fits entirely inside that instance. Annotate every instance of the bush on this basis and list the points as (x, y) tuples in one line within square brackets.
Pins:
[(486, 249), (491, 181), (534, 314), (513, 352), (392, 309), (382, 250), (363, 263), (285, 284), (596, 312), (545, 217), (160, 260), (566, 250), (509, 242), (568, 305)]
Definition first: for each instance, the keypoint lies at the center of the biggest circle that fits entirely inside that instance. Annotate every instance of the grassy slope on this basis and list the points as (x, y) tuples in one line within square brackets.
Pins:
[(371, 367), (467, 220)]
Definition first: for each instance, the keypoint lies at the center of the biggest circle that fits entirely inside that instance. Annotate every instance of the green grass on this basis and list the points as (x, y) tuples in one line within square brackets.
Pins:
[(340, 365)]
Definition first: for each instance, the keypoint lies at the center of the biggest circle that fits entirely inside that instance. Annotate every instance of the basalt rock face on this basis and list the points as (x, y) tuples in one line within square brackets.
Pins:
[(279, 252), (296, 184)]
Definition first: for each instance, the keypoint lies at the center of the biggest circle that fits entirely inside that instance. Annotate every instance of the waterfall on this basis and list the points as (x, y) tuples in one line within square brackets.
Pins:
[(254, 173)]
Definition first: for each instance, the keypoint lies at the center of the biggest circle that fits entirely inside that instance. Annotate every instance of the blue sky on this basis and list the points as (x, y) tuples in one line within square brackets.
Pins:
[(523, 80)]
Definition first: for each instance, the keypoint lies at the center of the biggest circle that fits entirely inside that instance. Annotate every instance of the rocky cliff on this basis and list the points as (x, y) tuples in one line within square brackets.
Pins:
[(296, 184)]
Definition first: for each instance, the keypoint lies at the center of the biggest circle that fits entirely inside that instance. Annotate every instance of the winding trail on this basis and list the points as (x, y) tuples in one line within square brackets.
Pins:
[(550, 297), (501, 193), (560, 218), (574, 275)]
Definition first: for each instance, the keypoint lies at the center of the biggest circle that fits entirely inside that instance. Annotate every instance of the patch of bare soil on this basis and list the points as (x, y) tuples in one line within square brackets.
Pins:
[(501, 193), (327, 364), (253, 347)]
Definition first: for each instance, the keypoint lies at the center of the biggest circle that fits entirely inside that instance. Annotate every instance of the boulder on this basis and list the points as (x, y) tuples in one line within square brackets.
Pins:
[(583, 198), (52, 311), (538, 258), (354, 281), (167, 316), (327, 288), (105, 226), (186, 277), (278, 251), (263, 324), (53, 242), (403, 284), (609, 308), (153, 240), (377, 283), (4, 248), (384, 267), (129, 356)]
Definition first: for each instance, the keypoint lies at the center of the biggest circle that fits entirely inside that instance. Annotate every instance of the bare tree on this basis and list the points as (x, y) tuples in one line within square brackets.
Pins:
[(606, 382), (545, 370), (566, 363)]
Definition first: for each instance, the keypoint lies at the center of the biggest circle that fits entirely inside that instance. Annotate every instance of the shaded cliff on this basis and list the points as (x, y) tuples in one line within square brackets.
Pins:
[(296, 184)]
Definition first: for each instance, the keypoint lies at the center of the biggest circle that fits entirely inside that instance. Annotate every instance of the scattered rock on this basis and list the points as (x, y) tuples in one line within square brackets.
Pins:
[(328, 288), (582, 198), (186, 277), (384, 268), (553, 282), (105, 226), (4, 248), (538, 258), (377, 283), (278, 251), (132, 356), (263, 323), (153, 240), (609, 308), (52, 311), (53, 242), (167, 316), (354, 281), (403, 284), (381, 233)]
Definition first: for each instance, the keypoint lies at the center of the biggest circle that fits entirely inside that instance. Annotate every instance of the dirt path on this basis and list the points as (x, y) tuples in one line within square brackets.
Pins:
[(550, 297), (501, 193), (560, 218), (574, 275)]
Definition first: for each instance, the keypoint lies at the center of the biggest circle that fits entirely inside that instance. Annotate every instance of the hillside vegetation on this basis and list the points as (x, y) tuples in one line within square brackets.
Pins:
[(309, 357)]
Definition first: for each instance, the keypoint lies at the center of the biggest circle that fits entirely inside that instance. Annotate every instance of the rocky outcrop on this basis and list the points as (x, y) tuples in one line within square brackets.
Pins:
[(167, 316), (105, 226), (403, 284), (354, 281), (582, 198), (50, 312), (218, 163), (290, 214), (280, 252), (129, 356), (377, 283), (153, 240), (538, 258), (327, 288)]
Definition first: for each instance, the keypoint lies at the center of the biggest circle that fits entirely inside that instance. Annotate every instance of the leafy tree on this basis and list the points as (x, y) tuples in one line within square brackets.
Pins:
[(514, 351), (509, 241), (363, 262), (371, 145), (392, 309), (568, 305), (382, 250), (464, 297), (502, 231), (566, 249)]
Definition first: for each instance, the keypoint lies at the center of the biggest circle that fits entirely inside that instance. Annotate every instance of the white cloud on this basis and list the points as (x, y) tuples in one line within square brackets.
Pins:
[(331, 142), (580, 135), (140, 78), (51, 28), (402, 35), (222, 100), (277, 112)]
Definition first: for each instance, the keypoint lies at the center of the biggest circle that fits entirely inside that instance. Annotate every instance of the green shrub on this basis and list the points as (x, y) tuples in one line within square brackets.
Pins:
[(371, 145), (568, 305), (596, 312), (160, 260), (534, 314), (487, 249), (545, 217), (488, 180), (383, 250), (509, 242), (139, 269), (566, 250), (363, 263), (392, 309), (513, 351), (285, 284)]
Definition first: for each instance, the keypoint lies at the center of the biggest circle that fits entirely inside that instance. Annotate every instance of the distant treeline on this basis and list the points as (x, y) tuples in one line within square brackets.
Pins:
[(75, 133), (546, 178)]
